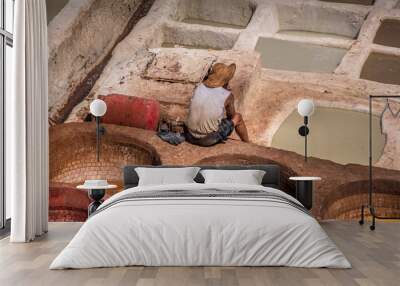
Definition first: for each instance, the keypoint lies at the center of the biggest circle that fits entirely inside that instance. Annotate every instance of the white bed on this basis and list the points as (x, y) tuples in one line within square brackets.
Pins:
[(206, 230)]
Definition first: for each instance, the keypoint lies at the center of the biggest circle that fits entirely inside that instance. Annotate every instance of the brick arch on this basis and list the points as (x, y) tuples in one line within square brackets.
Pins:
[(240, 159), (346, 201), (73, 155), (73, 160)]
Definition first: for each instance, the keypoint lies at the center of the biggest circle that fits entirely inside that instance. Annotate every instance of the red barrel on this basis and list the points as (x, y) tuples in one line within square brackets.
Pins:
[(131, 111)]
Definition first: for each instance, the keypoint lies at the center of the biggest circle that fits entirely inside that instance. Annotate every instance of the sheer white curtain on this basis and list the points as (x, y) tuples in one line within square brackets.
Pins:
[(26, 124)]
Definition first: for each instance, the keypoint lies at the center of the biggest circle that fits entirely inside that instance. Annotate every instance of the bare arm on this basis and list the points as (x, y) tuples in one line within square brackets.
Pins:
[(230, 106)]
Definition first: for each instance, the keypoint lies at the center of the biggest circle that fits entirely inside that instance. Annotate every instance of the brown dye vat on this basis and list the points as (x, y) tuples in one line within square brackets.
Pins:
[(73, 154), (388, 34), (382, 68), (296, 56), (358, 2), (221, 13)]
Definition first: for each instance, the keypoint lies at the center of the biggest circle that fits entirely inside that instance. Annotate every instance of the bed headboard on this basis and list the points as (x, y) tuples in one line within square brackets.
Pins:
[(271, 177)]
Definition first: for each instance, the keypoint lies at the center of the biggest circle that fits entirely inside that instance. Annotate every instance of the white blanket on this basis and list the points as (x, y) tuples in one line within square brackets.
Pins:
[(183, 231)]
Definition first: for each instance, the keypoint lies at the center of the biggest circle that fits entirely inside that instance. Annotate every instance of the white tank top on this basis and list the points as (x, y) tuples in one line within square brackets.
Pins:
[(207, 109)]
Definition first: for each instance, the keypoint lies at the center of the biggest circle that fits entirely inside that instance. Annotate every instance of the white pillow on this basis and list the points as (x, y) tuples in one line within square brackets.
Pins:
[(248, 177), (166, 176)]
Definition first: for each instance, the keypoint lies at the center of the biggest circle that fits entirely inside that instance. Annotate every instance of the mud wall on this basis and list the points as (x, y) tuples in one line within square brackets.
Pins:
[(81, 39)]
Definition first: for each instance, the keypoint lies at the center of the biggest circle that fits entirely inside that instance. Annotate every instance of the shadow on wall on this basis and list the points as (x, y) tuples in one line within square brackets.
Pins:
[(345, 203), (239, 159), (54, 7)]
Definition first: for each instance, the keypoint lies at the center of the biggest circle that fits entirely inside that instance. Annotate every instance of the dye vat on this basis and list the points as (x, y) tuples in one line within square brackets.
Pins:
[(388, 33), (312, 35), (357, 2), (324, 20), (335, 134), (73, 153), (296, 56), (382, 68), (180, 37), (221, 13)]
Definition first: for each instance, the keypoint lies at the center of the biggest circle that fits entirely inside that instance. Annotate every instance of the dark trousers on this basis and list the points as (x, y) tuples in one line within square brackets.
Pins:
[(225, 129)]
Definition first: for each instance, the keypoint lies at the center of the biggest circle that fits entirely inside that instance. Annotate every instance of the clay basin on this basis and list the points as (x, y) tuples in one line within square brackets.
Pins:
[(181, 37), (345, 202), (382, 68), (335, 134), (326, 21), (222, 13), (73, 160), (388, 33), (73, 154), (300, 57)]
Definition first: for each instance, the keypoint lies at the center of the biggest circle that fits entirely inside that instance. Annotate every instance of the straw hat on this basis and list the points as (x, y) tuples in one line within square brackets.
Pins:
[(220, 75)]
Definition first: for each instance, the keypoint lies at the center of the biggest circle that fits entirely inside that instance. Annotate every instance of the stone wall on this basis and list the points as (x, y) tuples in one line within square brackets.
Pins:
[(81, 40)]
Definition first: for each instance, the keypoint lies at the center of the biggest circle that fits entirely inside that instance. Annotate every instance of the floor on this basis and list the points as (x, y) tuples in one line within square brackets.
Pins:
[(375, 257)]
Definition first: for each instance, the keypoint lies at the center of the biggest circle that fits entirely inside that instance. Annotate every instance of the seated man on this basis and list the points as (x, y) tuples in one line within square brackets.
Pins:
[(212, 115)]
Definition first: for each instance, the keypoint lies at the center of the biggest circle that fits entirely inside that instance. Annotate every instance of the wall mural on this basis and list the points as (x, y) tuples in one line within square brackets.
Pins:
[(146, 58)]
